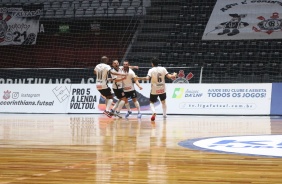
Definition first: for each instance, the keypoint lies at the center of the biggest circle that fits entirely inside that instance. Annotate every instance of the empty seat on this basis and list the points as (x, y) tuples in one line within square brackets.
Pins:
[(79, 12), (15, 1), (234, 69), (275, 55), (115, 3), (105, 3), (273, 68), (66, 5), (259, 69), (120, 11), (130, 11), (135, 3), (89, 12), (69, 13), (187, 27), (75, 5), (46, 5), (85, 4), (49, 13), (60, 13), (110, 11), (99, 12), (141, 11), (246, 68), (163, 56), (220, 69), (125, 3), (178, 47), (95, 4), (56, 5)]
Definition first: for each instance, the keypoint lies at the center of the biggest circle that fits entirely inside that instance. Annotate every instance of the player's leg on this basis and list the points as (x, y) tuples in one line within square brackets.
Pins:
[(109, 100), (163, 101), (153, 99), (127, 105), (137, 105), (121, 96), (115, 107)]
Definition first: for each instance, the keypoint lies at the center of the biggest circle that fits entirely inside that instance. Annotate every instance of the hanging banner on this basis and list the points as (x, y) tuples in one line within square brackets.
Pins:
[(19, 25), (245, 19)]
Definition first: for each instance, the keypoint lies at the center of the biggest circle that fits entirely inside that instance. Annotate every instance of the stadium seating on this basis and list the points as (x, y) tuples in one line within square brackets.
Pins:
[(171, 30)]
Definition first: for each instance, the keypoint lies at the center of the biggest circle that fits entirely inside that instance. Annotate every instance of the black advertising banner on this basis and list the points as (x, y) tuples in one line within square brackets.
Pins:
[(47, 76), (83, 75)]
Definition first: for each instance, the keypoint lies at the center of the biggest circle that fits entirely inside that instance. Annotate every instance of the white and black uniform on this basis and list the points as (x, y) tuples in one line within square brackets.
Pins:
[(102, 72), (158, 88), (117, 86), (128, 85)]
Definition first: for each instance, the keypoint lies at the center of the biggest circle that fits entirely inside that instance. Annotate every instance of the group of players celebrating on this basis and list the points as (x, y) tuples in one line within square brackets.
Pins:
[(123, 79)]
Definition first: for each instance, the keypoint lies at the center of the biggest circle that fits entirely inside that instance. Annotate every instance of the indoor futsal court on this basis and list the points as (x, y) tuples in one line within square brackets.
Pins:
[(93, 148)]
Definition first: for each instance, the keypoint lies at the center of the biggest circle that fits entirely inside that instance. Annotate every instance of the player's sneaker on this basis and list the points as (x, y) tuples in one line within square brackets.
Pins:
[(107, 113), (118, 114), (102, 103), (153, 117), (112, 112), (139, 115), (128, 113)]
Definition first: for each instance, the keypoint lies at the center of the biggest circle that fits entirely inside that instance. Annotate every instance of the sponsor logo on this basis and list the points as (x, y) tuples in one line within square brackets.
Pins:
[(178, 93), (181, 77), (15, 95), (193, 93), (260, 145), (269, 25), (62, 93), (6, 95)]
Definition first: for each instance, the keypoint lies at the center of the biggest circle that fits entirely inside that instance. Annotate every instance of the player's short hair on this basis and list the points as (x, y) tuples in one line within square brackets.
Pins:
[(126, 61), (155, 61), (104, 59)]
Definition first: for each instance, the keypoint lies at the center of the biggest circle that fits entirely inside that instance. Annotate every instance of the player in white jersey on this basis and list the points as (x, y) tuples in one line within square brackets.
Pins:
[(128, 88), (117, 86), (157, 75), (102, 71)]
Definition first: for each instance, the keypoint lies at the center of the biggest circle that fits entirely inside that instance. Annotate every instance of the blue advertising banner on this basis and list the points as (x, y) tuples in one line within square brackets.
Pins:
[(276, 100)]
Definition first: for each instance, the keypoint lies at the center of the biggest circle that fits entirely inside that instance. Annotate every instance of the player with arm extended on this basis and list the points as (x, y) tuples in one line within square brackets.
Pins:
[(102, 71), (157, 75), (129, 90)]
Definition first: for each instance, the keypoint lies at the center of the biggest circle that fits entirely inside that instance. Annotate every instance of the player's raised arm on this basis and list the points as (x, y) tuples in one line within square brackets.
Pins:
[(171, 76), (118, 80), (117, 73), (134, 67), (143, 78)]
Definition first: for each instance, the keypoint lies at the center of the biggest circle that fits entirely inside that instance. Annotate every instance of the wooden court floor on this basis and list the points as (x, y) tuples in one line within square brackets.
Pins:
[(87, 149)]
